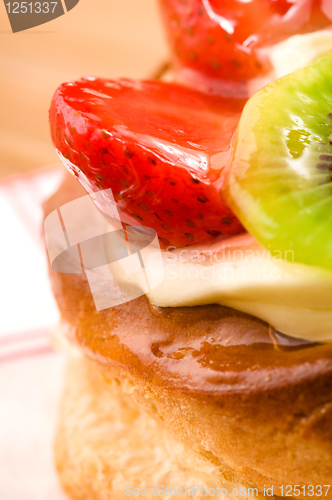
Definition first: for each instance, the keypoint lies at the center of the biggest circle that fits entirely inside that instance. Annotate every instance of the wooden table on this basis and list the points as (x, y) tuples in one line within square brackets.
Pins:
[(109, 38)]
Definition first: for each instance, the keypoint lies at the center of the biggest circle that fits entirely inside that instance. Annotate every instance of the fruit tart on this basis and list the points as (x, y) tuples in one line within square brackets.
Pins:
[(197, 309)]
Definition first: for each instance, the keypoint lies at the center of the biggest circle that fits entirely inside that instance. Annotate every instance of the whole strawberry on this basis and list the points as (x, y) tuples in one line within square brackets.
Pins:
[(222, 38), (160, 147)]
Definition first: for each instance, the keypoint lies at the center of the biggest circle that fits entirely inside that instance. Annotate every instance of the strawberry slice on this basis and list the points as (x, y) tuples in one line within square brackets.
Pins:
[(221, 38), (160, 147)]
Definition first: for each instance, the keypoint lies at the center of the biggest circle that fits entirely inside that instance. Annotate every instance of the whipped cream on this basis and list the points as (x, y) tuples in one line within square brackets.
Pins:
[(292, 54), (295, 299)]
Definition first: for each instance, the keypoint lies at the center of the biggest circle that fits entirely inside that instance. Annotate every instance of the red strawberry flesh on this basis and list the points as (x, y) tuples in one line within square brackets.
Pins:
[(160, 147)]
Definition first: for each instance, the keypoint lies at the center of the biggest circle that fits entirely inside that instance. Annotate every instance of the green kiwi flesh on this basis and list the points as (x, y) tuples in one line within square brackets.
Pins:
[(280, 179)]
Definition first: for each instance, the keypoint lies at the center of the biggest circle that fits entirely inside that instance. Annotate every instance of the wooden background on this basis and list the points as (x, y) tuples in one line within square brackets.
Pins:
[(109, 38)]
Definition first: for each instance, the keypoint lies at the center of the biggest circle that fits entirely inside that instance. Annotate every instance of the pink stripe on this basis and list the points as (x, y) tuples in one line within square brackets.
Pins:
[(23, 336), (28, 353)]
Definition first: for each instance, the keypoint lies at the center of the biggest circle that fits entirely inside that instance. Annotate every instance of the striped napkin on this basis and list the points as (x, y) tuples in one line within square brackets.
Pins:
[(30, 369)]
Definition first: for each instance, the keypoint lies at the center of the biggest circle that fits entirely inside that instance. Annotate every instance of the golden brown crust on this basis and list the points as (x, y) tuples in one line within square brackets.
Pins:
[(214, 377), (105, 442)]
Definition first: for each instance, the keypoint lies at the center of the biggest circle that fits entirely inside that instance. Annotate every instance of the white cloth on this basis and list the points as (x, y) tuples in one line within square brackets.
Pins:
[(30, 369)]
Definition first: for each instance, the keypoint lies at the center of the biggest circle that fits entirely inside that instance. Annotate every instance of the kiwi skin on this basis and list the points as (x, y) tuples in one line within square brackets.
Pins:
[(279, 180)]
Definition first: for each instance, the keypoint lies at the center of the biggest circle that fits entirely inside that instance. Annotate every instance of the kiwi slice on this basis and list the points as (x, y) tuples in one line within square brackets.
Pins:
[(280, 179)]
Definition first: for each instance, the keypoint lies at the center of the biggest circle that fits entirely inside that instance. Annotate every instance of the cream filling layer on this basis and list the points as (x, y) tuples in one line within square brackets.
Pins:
[(292, 54), (295, 299)]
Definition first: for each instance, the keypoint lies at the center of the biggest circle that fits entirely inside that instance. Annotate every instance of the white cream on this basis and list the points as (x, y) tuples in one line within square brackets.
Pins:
[(299, 50), (292, 54), (294, 298)]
